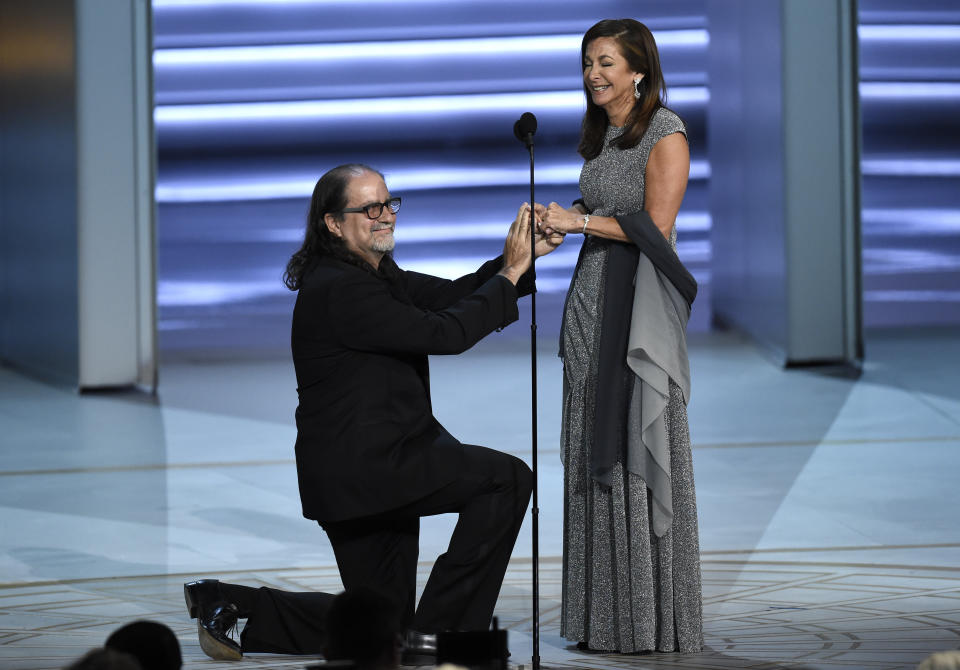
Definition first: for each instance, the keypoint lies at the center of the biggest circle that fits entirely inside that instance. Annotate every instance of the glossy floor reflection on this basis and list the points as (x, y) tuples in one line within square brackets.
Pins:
[(827, 504)]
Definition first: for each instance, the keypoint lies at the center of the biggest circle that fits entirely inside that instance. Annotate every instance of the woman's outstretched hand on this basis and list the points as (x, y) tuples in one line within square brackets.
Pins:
[(556, 219)]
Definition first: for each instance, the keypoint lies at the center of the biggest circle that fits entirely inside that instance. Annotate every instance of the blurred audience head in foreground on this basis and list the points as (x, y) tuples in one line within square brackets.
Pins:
[(105, 659), (153, 644)]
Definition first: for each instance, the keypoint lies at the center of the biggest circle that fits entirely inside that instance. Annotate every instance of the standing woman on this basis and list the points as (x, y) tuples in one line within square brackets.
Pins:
[(631, 568)]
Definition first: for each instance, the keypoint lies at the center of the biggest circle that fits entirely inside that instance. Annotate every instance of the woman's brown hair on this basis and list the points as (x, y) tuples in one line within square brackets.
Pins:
[(639, 49)]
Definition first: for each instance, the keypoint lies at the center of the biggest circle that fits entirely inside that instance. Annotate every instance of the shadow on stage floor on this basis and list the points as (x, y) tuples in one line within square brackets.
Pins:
[(827, 504)]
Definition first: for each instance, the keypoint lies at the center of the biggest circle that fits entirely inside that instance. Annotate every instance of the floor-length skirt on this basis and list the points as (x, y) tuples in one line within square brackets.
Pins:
[(624, 588)]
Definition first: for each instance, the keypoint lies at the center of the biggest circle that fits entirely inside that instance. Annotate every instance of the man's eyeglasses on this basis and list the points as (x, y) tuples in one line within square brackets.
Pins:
[(375, 209)]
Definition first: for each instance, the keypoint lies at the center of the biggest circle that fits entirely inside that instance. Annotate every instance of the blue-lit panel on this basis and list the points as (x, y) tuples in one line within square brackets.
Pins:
[(255, 99), (197, 23), (448, 119), (910, 83), (405, 67)]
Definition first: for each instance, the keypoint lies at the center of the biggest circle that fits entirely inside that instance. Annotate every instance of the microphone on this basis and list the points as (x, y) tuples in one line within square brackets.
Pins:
[(525, 128)]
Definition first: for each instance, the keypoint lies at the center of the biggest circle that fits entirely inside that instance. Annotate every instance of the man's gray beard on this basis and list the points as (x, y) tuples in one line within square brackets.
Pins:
[(383, 245)]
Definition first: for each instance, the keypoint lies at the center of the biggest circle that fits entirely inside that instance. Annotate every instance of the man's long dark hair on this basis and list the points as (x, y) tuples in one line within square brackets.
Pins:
[(638, 47), (329, 197)]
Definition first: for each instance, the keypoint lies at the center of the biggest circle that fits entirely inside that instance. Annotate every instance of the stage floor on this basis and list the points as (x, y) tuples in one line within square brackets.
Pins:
[(828, 504)]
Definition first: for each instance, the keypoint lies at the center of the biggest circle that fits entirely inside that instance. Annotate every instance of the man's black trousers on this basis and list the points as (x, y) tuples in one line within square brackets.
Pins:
[(381, 552)]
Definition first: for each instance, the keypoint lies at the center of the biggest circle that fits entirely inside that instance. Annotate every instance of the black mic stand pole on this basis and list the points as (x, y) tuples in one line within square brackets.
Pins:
[(535, 511), (524, 130)]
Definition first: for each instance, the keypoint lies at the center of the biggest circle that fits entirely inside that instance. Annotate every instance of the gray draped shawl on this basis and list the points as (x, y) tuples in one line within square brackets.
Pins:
[(613, 438), (657, 354)]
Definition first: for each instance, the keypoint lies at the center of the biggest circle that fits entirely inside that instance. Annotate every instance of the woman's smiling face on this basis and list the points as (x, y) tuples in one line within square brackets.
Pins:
[(609, 77)]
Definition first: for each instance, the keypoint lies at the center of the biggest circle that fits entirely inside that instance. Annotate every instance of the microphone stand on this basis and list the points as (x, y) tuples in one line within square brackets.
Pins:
[(524, 130), (535, 511)]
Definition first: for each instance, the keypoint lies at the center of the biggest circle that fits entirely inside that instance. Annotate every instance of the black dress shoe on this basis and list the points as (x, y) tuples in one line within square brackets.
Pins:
[(419, 648), (214, 632), (215, 619), (201, 593)]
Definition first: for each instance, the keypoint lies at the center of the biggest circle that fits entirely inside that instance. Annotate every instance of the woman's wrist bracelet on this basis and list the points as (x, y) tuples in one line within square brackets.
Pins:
[(586, 220)]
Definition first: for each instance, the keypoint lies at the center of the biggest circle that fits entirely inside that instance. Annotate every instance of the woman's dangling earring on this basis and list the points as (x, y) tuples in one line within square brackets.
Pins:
[(636, 87)]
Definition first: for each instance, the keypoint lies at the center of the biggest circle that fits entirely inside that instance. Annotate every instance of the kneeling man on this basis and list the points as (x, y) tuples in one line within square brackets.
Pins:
[(371, 457)]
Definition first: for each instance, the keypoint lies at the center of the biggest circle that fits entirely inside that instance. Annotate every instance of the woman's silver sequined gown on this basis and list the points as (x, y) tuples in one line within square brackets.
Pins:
[(624, 588)]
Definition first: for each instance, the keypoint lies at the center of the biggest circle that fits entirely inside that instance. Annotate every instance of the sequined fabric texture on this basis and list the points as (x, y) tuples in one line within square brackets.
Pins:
[(624, 588)]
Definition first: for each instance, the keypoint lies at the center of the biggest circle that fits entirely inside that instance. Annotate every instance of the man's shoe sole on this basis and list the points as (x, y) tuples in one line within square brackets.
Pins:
[(216, 649)]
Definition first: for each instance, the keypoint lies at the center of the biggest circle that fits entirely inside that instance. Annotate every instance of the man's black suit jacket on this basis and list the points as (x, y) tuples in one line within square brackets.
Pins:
[(367, 441)]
